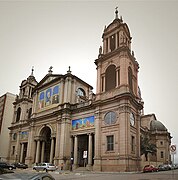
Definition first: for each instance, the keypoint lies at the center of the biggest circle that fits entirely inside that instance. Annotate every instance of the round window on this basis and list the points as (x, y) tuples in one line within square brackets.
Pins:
[(110, 118)]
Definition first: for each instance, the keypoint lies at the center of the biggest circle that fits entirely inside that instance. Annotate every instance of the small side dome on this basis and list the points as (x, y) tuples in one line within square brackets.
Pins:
[(157, 125)]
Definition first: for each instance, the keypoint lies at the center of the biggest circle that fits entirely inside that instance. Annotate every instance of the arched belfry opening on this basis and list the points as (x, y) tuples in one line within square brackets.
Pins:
[(18, 114), (110, 76)]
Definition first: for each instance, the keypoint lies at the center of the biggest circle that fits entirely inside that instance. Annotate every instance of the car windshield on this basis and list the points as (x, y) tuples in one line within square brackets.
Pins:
[(50, 164)]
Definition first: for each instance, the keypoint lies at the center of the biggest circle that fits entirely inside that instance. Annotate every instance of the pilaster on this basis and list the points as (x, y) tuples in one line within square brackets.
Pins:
[(97, 158)]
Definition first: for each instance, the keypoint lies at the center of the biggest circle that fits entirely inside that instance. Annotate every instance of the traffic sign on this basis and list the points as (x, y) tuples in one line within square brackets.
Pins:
[(173, 149)]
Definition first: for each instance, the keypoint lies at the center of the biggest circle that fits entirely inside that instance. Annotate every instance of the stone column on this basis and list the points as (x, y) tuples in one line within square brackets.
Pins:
[(35, 102), (69, 91), (104, 85), (21, 153), (57, 147), (61, 91), (104, 46), (42, 151), (109, 39), (97, 158), (30, 158), (116, 40), (52, 149), (75, 152), (98, 88), (17, 153), (89, 152), (37, 152), (9, 146), (117, 77), (65, 90)]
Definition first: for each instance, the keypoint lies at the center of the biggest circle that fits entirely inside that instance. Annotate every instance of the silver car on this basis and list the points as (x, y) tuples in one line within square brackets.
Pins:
[(45, 167)]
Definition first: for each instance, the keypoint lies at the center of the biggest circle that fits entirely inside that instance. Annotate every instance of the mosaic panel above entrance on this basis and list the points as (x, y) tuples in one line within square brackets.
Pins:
[(83, 123)]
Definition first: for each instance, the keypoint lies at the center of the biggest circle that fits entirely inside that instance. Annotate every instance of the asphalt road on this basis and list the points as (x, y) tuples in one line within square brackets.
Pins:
[(164, 175), (85, 175)]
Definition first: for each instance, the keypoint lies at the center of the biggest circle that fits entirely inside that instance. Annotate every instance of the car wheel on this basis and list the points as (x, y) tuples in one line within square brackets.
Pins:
[(10, 168)]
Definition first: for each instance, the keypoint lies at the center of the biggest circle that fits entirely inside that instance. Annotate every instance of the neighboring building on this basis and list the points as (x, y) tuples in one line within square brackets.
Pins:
[(159, 136), (67, 123), (6, 115)]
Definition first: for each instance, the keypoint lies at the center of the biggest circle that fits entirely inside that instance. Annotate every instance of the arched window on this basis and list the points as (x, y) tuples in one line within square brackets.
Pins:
[(18, 114), (130, 79), (29, 113), (110, 77), (80, 92), (113, 42)]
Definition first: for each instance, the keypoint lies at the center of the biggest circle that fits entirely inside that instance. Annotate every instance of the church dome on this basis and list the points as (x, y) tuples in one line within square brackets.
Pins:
[(157, 125)]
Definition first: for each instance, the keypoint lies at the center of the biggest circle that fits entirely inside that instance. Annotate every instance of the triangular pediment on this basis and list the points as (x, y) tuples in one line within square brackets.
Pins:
[(49, 78)]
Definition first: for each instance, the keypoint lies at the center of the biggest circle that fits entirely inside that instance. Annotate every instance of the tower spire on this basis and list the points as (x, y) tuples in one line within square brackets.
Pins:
[(32, 71), (116, 12), (69, 71)]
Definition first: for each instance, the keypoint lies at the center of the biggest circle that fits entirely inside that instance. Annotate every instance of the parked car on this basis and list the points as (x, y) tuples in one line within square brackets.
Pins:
[(150, 168), (5, 165), (20, 165), (175, 166), (162, 167), (44, 167), (4, 171), (27, 175)]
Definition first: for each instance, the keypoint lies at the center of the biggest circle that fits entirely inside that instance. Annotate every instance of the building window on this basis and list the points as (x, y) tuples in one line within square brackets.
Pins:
[(29, 113), (162, 154), (13, 150), (130, 79), (18, 114), (14, 137), (110, 77), (80, 92), (110, 143), (132, 143), (161, 142)]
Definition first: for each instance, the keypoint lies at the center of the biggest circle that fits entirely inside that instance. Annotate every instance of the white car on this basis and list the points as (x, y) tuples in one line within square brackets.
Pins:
[(45, 167)]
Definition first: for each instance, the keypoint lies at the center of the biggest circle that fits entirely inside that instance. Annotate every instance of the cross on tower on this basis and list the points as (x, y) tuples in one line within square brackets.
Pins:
[(116, 12), (50, 69)]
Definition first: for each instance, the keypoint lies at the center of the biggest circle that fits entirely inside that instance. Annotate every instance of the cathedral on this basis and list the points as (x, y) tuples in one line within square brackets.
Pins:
[(60, 119)]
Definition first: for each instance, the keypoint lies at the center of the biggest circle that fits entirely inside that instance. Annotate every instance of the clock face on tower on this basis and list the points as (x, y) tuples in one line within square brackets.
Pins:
[(132, 119)]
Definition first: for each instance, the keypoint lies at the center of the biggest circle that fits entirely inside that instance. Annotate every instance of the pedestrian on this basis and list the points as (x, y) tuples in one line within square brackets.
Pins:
[(62, 166)]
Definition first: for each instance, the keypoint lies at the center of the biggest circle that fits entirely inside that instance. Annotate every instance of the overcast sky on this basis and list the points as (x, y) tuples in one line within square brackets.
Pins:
[(68, 33)]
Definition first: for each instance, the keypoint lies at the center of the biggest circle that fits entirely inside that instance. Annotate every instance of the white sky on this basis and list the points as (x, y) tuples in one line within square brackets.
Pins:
[(68, 33)]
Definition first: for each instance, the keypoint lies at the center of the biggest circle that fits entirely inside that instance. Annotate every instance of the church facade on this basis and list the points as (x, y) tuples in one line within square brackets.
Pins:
[(61, 120)]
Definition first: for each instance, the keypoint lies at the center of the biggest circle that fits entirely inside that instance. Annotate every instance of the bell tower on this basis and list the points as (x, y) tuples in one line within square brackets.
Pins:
[(116, 64), (23, 102), (119, 102)]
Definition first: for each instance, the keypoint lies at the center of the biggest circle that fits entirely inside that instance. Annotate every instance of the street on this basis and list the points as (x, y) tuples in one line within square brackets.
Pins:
[(163, 175), (86, 175)]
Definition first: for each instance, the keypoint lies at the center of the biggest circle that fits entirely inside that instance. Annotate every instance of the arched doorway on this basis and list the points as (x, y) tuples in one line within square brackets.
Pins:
[(45, 146), (46, 143)]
